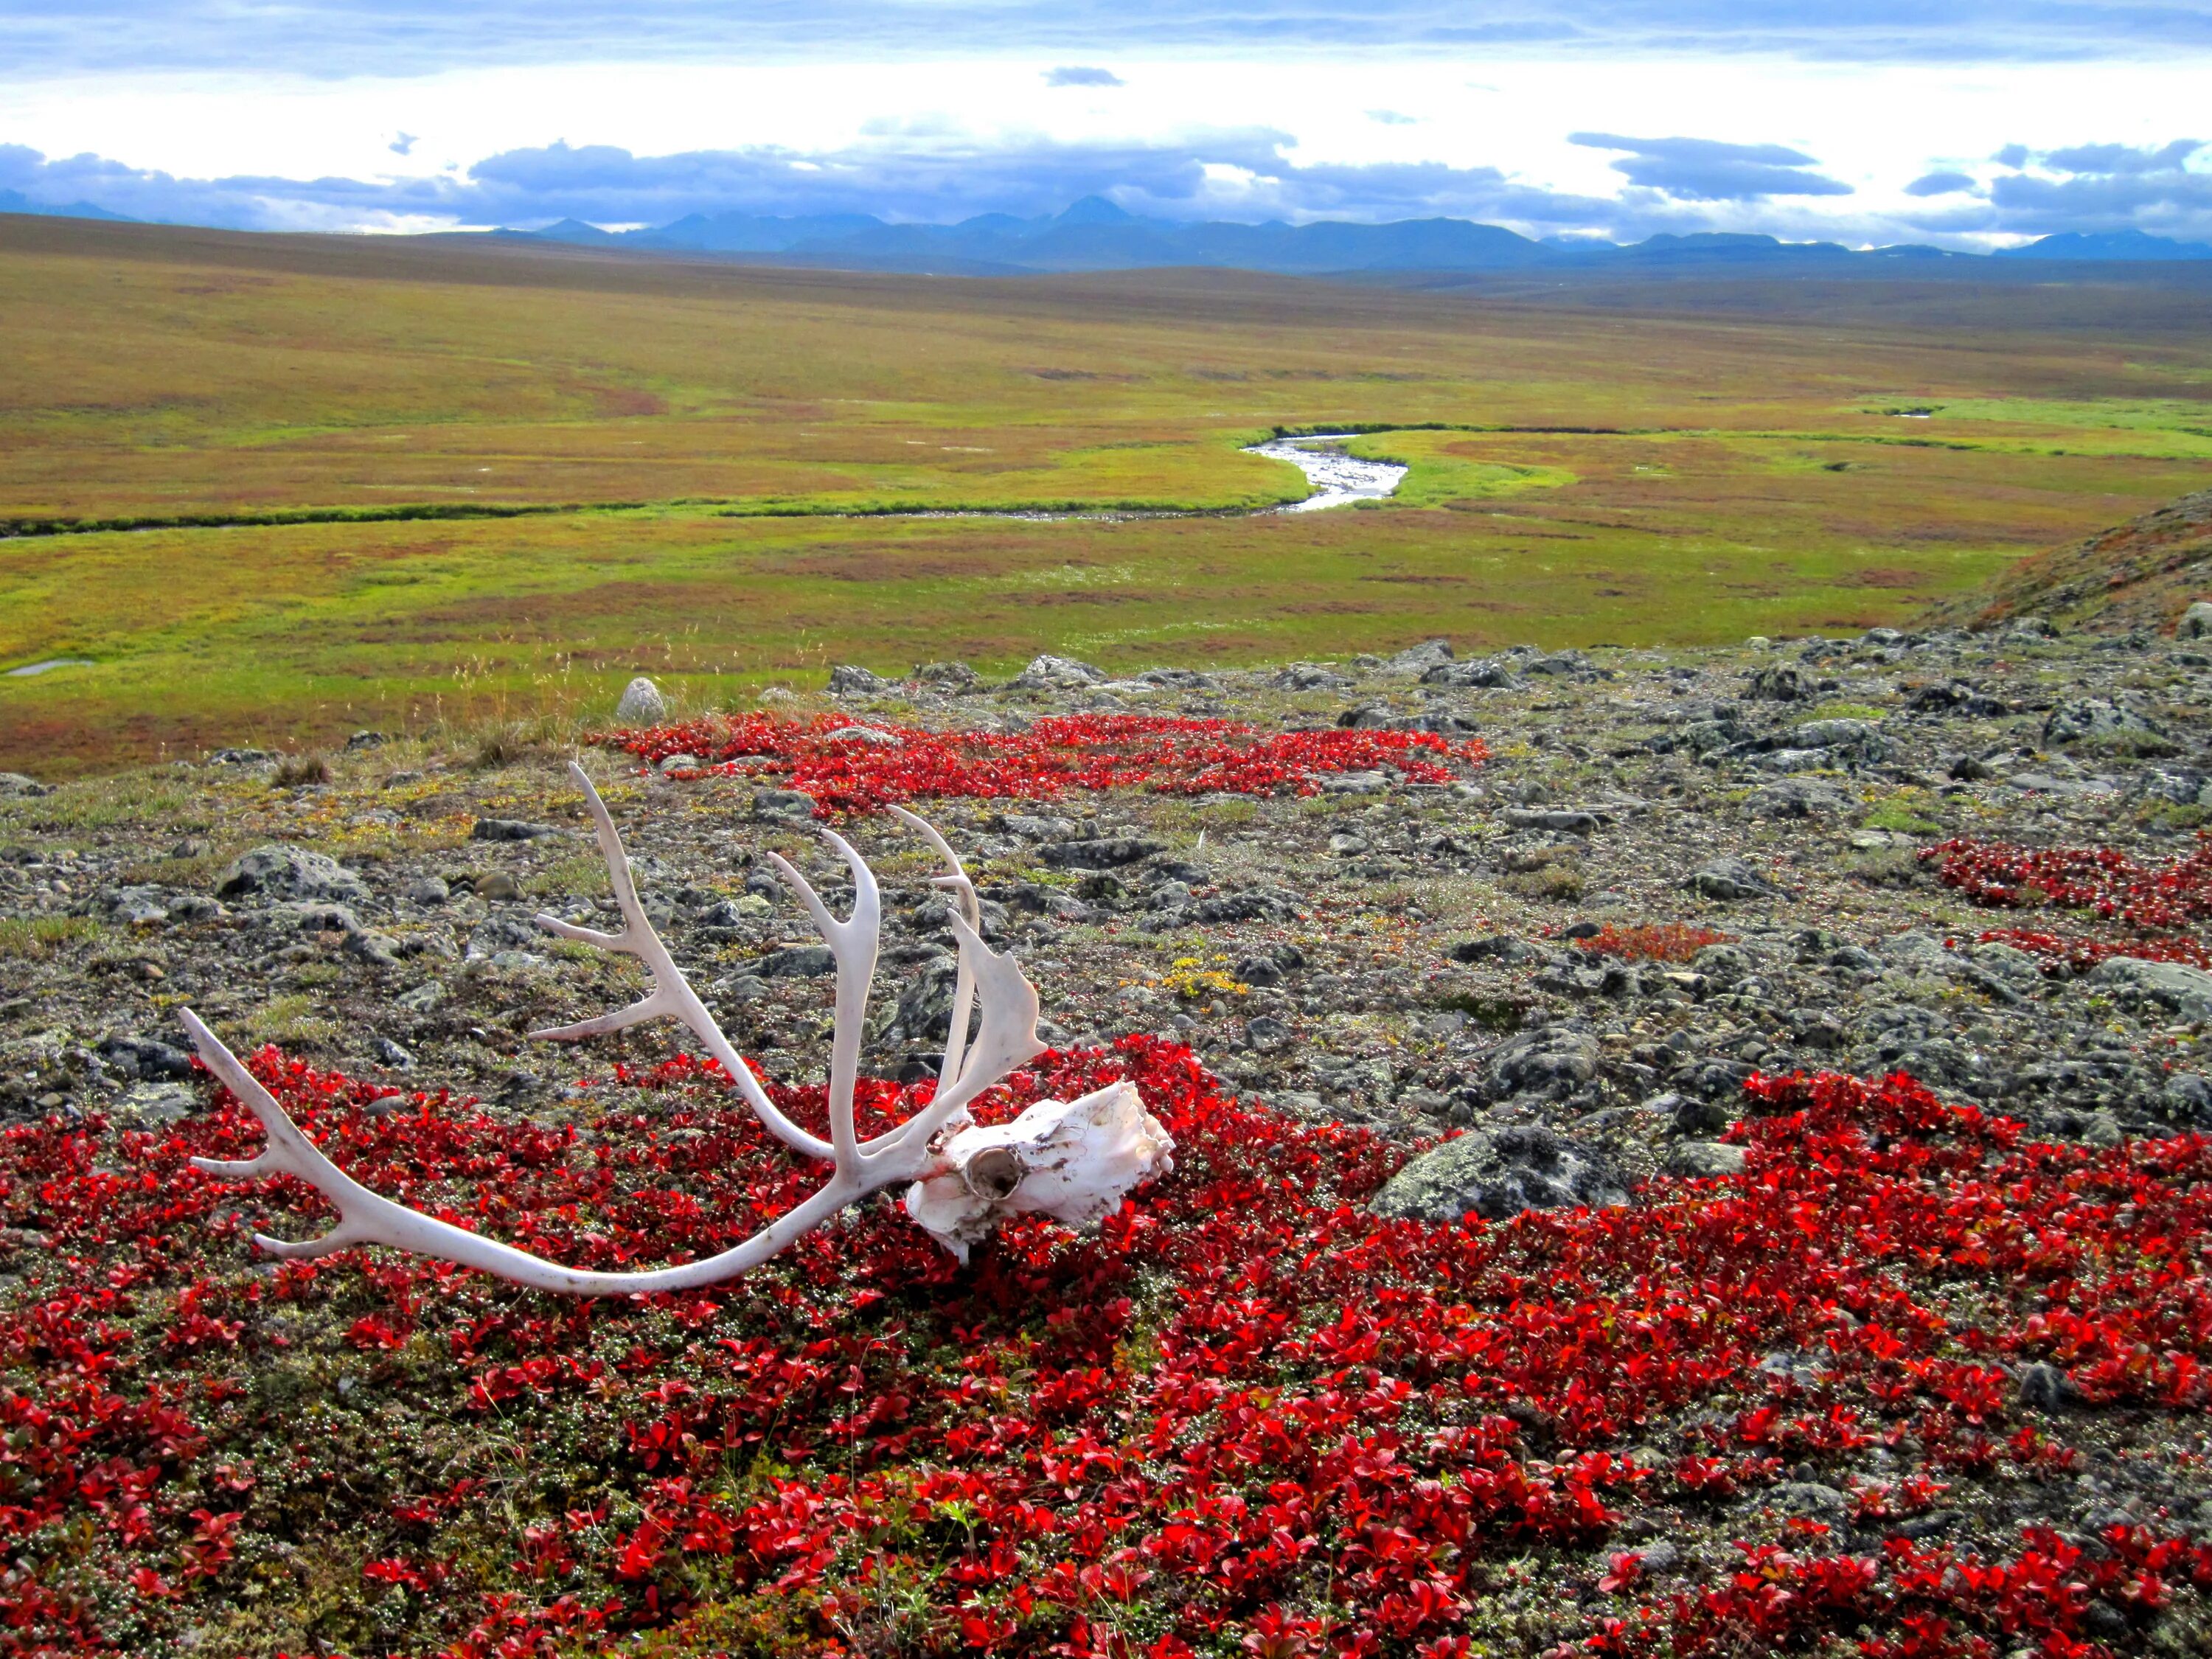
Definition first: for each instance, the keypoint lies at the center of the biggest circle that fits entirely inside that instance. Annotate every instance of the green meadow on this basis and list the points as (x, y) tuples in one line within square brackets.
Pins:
[(277, 489)]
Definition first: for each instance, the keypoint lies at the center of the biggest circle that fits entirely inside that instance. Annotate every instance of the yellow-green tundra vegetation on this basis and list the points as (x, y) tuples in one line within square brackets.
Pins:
[(270, 489)]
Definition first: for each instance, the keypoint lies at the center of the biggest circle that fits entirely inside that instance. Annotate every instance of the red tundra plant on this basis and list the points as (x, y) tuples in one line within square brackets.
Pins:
[(2150, 897), (2078, 955), (850, 774), (1658, 941), (1246, 1415)]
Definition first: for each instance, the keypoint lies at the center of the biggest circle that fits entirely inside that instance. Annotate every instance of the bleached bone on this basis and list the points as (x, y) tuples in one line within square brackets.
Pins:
[(1073, 1160)]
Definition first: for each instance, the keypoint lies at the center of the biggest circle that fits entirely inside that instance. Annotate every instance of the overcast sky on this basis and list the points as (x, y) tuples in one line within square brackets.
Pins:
[(1955, 121)]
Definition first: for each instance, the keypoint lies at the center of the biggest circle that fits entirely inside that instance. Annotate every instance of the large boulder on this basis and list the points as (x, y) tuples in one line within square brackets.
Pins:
[(1498, 1173), (2196, 622), (1554, 1060), (642, 704), (1729, 879), (2173, 986), (279, 872), (1417, 660), (2101, 723), (14, 785), (851, 680), (1051, 673)]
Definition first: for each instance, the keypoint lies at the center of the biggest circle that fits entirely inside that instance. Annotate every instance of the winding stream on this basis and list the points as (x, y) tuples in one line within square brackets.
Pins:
[(1338, 479)]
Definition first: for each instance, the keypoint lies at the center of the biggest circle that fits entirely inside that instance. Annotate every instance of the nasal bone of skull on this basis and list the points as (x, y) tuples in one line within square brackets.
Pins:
[(993, 1173)]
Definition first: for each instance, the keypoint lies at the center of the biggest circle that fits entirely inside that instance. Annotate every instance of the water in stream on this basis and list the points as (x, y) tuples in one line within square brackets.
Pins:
[(1338, 479)]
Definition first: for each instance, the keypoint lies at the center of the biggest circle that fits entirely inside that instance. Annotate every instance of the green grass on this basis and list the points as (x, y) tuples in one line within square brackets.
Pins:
[(41, 936), (396, 485)]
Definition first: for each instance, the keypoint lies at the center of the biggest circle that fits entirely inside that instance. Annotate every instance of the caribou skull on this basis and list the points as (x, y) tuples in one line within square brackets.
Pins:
[(1072, 1160)]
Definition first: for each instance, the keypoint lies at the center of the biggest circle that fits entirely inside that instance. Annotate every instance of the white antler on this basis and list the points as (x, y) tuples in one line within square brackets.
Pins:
[(1072, 1160)]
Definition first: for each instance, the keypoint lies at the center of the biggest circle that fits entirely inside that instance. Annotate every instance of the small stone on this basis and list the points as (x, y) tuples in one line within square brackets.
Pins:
[(1729, 879), (422, 998), (870, 735), (279, 872), (510, 829), (1705, 1158), (2043, 1387), (797, 962), (429, 890), (360, 740), (850, 680), (1267, 1034), (641, 703), (782, 804), (680, 763), (1051, 673)]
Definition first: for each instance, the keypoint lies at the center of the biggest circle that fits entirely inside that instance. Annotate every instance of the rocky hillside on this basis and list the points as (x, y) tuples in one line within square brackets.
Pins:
[(2141, 574), (1862, 1336)]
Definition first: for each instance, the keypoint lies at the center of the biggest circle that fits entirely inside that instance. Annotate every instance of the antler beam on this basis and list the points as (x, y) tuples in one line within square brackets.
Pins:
[(1074, 1160)]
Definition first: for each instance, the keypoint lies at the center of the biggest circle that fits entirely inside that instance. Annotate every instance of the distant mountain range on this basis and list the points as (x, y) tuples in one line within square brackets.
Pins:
[(14, 201), (1094, 234)]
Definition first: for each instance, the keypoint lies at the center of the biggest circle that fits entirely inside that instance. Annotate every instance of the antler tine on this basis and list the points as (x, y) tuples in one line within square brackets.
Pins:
[(366, 1218), (671, 994), (964, 985), (1006, 1038), (853, 942)]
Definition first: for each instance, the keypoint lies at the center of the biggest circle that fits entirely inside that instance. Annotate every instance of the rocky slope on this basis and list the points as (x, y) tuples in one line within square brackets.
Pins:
[(1742, 828), (2141, 574)]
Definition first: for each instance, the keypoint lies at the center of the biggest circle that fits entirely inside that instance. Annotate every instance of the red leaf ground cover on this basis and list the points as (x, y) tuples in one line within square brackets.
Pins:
[(1246, 1416), (2114, 885), (1169, 755), (2155, 901), (1658, 941)]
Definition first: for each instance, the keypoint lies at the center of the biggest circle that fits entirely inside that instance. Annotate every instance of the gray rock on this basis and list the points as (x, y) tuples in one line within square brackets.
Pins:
[(1417, 660), (1498, 1173), (670, 764), (1778, 682), (1267, 1034), (360, 740), (796, 962), (850, 680), (14, 785), (422, 998), (641, 703), (145, 1058), (1355, 783), (2196, 622), (1706, 1158), (1308, 677), (1100, 853), (155, 1105), (1029, 828), (281, 872), (1051, 673), (2172, 985), (782, 804), (2099, 723), (1556, 1060), (2044, 1387), (510, 829), (954, 677), (136, 906), (1729, 879), (391, 1054), (1808, 1500), (1797, 798), (431, 890), (870, 735)]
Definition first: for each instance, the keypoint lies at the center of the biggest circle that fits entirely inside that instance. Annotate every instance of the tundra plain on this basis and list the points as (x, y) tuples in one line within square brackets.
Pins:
[(265, 489)]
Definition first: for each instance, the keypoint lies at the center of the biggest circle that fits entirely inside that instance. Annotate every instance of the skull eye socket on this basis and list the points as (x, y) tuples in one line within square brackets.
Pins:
[(993, 1173)]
